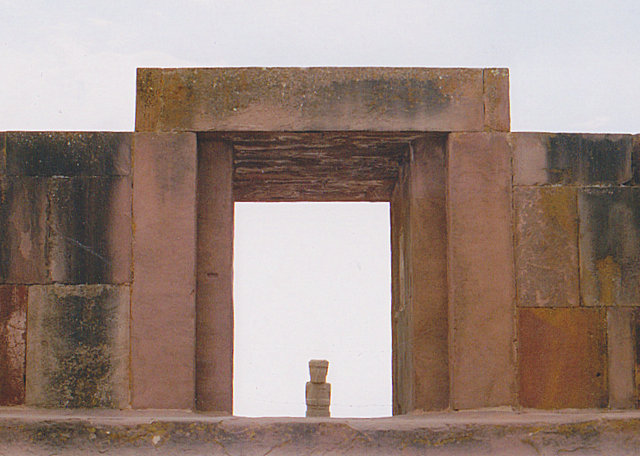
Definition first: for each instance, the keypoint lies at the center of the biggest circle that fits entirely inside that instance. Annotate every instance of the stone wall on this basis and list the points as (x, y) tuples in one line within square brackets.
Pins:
[(65, 269), (515, 256), (577, 233)]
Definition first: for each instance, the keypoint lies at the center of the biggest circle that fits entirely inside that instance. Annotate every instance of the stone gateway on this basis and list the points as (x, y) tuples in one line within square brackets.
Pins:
[(515, 256)]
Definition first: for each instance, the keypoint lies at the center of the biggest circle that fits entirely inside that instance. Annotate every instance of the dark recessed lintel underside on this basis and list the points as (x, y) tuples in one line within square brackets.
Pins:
[(316, 166)]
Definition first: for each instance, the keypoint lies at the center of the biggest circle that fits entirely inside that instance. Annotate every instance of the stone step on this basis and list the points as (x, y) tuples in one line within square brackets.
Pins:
[(164, 432)]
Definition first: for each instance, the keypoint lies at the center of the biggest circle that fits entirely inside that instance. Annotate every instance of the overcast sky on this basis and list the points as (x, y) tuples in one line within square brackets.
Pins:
[(70, 65)]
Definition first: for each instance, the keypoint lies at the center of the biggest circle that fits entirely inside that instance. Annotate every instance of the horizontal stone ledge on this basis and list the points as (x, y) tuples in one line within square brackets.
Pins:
[(347, 98), (67, 153), (159, 432), (582, 159)]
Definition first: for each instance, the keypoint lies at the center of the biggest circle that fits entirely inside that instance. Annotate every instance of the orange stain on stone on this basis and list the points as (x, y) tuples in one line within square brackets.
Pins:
[(609, 277), (562, 362)]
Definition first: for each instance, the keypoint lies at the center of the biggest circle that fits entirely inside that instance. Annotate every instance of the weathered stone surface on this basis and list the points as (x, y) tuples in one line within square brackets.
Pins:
[(317, 391), (403, 380), (571, 159), (419, 268), (164, 256), (3, 155), (317, 411), (23, 214), (547, 246), (13, 335), (610, 246), (318, 394), (162, 433), (496, 99), (315, 166), (89, 237), (68, 153), (636, 346), (214, 298), (78, 346), (427, 253), (562, 357), (636, 159), (318, 369), (621, 344), (254, 99), (481, 271)]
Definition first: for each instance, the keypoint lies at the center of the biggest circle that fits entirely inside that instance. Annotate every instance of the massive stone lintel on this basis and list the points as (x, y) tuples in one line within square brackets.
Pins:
[(290, 99), (315, 166), (497, 114)]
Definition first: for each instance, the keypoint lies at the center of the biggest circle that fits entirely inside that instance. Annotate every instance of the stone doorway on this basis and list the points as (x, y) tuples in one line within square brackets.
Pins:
[(312, 281), (405, 169), (433, 142)]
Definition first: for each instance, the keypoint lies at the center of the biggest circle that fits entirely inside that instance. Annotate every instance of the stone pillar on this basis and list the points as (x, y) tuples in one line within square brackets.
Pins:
[(214, 298), (318, 391), (481, 271), (419, 270), (164, 265)]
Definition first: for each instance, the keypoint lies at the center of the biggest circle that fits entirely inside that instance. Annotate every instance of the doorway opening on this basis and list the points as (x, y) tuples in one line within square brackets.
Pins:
[(312, 280)]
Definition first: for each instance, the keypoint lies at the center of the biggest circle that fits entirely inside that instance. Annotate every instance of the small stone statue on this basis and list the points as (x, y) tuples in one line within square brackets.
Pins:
[(318, 391)]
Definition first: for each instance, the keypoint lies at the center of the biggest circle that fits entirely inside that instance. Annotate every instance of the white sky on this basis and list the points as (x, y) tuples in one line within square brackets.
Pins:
[(70, 65), (312, 282)]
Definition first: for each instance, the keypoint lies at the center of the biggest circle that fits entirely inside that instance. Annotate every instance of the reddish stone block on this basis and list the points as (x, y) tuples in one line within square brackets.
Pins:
[(547, 246), (609, 246), (636, 159), (427, 254), (13, 331), (562, 358), (621, 342), (529, 158), (89, 239), (496, 99), (78, 346), (636, 345), (214, 300), (68, 153), (571, 159), (23, 214), (420, 299), (402, 351), (289, 99), (481, 271), (164, 264), (3, 155)]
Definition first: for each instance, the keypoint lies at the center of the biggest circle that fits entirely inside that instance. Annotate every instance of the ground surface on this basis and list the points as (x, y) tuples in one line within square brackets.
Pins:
[(488, 432)]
